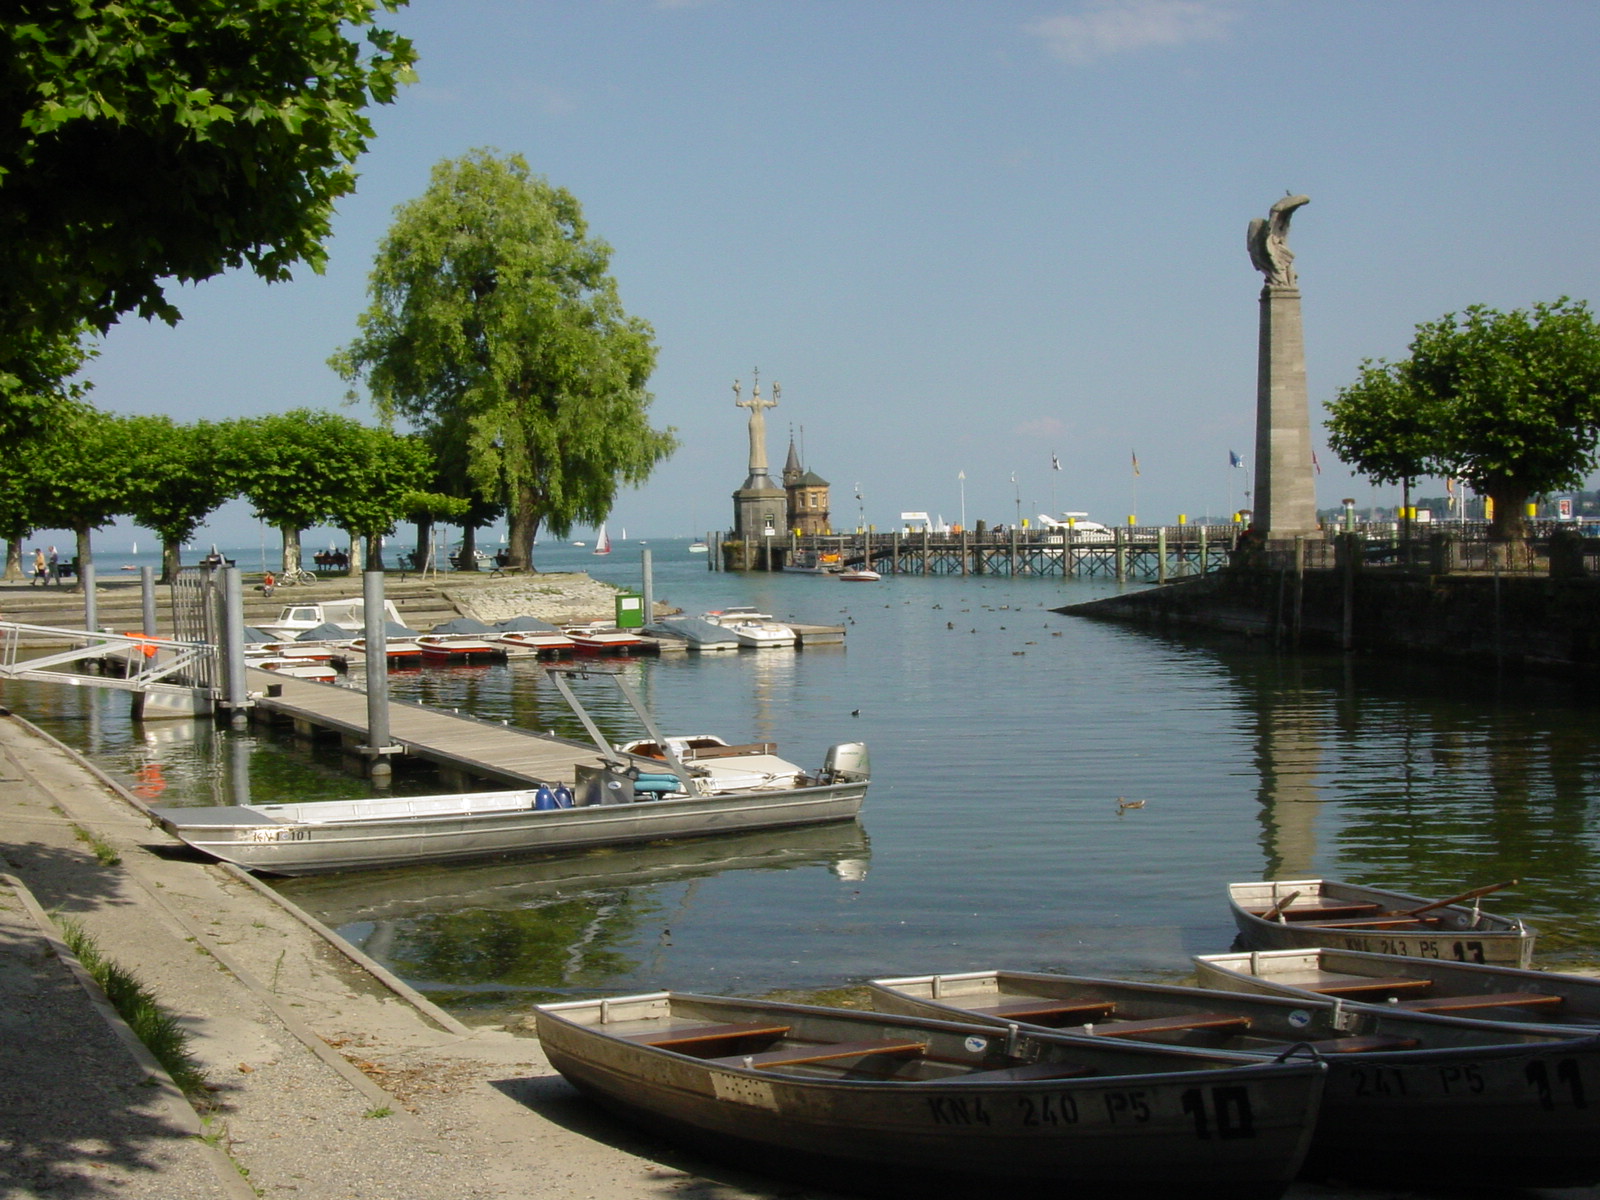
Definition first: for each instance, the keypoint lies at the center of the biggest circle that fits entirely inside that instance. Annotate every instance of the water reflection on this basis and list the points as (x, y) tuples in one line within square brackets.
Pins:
[(508, 934)]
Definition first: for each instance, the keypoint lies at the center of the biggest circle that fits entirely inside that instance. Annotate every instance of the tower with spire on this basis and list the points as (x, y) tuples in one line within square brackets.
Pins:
[(807, 494)]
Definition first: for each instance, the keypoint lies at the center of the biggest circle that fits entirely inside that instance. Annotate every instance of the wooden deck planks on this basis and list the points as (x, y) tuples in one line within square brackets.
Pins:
[(499, 752)]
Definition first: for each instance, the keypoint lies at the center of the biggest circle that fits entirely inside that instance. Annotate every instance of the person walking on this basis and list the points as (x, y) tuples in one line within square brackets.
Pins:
[(38, 568), (55, 569)]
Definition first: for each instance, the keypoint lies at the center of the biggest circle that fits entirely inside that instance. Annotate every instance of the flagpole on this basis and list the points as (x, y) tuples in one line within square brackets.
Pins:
[(962, 476)]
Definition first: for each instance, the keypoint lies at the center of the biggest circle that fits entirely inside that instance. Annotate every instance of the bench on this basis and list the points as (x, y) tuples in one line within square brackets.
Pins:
[(1321, 908), (1450, 1004), (1040, 1011), (1174, 1024), (1351, 986), (688, 1039), (1023, 1074), (1365, 1044), (507, 570), (795, 1056)]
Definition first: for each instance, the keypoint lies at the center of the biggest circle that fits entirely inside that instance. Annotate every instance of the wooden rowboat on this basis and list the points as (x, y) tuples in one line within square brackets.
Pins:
[(1411, 984), (1431, 1101), (1284, 914), (896, 1103)]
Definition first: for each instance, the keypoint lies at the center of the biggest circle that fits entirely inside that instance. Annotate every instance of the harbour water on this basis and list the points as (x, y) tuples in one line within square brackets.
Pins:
[(1003, 736)]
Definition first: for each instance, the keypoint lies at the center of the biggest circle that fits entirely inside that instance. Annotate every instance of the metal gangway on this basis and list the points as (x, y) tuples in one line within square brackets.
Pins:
[(167, 677)]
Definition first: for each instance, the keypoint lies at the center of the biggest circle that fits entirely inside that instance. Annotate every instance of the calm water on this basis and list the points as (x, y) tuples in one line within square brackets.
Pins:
[(1002, 735)]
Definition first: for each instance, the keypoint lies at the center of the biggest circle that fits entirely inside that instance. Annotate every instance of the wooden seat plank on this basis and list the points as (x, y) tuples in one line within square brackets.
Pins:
[(793, 1056), (1172, 1024), (1388, 922), (1365, 1044), (687, 1037), (1447, 1004), (1032, 1071), (1304, 909), (1027, 1010), (1361, 985)]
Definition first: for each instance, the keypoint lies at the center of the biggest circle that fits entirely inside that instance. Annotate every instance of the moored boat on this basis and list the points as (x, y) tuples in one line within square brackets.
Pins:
[(859, 575), (529, 635), (610, 799), (700, 634), (1424, 985), (459, 648), (601, 639), (1284, 914), (1436, 1101), (890, 1102)]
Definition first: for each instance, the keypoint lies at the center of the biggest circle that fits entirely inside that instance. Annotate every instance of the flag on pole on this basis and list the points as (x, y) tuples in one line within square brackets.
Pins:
[(1234, 460), (1136, 464), (1055, 463), (1315, 465)]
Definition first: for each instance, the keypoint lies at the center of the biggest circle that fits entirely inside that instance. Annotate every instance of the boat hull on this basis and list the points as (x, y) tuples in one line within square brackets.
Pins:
[(1438, 987), (1140, 1126), (1469, 1103), (1458, 933), (267, 839)]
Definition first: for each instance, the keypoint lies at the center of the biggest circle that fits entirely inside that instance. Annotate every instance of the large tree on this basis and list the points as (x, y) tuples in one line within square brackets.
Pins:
[(1510, 402), (494, 325), (150, 141)]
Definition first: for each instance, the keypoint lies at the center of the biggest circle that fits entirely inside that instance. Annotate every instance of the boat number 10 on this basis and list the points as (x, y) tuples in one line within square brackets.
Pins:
[(1409, 948)]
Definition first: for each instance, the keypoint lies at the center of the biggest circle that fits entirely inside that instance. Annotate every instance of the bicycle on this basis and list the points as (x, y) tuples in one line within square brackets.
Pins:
[(299, 575)]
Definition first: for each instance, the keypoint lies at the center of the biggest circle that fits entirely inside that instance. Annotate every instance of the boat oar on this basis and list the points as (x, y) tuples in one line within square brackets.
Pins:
[(1472, 895), (1276, 911)]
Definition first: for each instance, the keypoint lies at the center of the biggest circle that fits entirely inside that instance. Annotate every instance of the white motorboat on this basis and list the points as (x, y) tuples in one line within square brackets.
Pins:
[(860, 575), (755, 765), (348, 615), (751, 627), (699, 633), (621, 797)]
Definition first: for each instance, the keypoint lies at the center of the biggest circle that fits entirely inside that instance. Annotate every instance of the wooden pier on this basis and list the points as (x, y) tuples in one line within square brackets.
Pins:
[(1145, 553), (463, 748)]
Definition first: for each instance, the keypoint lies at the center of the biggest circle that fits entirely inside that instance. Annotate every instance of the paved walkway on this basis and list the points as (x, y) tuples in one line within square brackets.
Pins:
[(328, 1084)]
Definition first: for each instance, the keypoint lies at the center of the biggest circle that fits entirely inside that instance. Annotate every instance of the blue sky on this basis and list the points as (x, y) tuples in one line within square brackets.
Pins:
[(965, 236)]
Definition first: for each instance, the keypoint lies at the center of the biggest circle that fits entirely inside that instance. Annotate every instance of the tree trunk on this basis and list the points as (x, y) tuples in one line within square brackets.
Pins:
[(85, 553), (171, 559), (375, 552), (522, 525), (467, 560), (13, 572), (355, 556), (291, 549), (424, 550), (1508, 531)]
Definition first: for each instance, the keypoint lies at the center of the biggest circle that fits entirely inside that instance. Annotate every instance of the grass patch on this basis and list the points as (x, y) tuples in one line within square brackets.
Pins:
[(155, 1027), (103, 850)]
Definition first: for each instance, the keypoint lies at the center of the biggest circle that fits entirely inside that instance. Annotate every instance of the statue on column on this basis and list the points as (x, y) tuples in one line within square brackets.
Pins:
[(1268, 242), (758, 422)]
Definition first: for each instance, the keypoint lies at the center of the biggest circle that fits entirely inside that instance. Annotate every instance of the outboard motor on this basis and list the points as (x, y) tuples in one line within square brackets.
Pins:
[(847, 762)]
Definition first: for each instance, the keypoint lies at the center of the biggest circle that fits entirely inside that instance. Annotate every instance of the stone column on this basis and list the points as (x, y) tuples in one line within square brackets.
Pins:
[(1285, 500)]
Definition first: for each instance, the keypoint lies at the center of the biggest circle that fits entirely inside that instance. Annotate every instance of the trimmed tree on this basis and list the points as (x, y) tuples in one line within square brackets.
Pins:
[(1510, 402), (176, 480), (377, 474), (494, 326)]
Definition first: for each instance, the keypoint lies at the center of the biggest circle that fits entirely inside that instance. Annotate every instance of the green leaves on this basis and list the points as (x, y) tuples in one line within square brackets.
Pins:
[(495, 328), (1510, 402), (153, 140)]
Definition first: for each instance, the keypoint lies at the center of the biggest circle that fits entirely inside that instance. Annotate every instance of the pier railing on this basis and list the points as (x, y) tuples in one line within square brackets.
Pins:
[(1165, 553)]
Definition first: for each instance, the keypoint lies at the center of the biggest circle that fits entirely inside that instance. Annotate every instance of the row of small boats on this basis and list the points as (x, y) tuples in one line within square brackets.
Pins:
[(319, 654), (1435, 1068)]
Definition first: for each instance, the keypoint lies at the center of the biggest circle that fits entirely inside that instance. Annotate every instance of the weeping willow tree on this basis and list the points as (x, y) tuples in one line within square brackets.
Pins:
[(494, 326)]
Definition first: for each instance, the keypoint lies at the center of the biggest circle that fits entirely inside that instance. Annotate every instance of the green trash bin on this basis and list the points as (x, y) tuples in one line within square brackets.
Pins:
[(630, 610)]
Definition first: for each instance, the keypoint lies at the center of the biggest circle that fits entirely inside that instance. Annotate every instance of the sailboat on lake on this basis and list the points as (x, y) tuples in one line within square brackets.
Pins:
[(602, 544)]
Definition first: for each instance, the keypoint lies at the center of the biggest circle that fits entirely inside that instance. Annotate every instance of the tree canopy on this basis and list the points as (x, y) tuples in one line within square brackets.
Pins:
[(495, 327), (1509, 402), (146, 141), (177, 478)]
